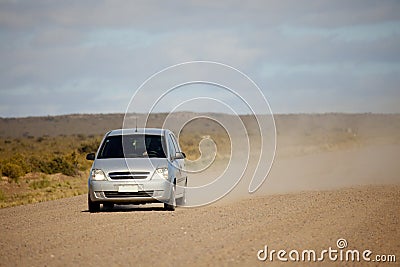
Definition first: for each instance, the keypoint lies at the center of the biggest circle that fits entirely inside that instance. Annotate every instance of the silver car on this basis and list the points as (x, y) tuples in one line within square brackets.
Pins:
[(137, 166)]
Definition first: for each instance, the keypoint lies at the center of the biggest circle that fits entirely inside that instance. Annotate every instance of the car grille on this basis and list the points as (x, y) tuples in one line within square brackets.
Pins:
[(116, 194), (128, 175)]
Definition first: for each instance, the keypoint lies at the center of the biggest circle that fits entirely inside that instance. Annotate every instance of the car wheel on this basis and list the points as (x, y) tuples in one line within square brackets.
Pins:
[(182, 200), (170, 205), (108, 206), (93, 206)]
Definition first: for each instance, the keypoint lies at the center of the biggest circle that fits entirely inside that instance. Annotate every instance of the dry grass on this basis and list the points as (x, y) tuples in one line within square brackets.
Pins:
[(44, 168), (39, 187)]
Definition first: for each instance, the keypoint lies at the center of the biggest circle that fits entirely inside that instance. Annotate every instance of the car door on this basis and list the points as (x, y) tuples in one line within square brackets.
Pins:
[(179, 164)]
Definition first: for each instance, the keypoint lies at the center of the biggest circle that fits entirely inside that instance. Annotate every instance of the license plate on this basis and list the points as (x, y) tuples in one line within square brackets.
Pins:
[(128, 188)]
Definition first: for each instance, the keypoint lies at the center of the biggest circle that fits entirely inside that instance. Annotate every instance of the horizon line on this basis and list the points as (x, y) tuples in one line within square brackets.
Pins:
[(244, 114)]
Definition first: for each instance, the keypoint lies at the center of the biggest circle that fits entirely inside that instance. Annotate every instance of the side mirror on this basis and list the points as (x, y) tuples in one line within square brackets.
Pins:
[(179, 155), (90, 156)]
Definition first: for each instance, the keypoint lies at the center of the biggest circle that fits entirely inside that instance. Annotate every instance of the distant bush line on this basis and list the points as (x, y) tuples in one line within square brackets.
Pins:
[(67, 154), (49, 155), (19, 165)]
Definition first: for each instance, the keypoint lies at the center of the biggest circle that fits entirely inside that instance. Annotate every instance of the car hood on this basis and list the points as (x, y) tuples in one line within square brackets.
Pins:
[(129, 164)]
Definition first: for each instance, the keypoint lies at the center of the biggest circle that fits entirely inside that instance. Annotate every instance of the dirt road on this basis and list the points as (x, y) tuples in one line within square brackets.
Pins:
[(62, 232)]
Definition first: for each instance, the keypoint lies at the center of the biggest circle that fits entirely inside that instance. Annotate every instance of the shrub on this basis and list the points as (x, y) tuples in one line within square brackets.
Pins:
[(59, 165), (12, 170), (89, 147), (2, 195), (34, 164), (40, 184), (40, 139), (19, 160), (81, 137)]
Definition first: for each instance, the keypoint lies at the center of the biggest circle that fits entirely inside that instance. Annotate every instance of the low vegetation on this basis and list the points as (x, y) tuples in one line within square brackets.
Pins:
[(44, 168), (35, 169)]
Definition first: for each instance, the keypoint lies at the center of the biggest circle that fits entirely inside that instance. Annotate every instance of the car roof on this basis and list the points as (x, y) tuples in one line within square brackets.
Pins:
[(152, 131)]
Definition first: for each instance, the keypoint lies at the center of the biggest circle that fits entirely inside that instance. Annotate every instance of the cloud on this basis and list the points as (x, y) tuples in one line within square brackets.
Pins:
[(321, 50)]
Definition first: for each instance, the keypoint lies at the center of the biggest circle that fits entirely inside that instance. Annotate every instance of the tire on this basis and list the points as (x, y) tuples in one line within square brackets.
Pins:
[(93, 206), (170, 205), (182, 200), (108, 206)]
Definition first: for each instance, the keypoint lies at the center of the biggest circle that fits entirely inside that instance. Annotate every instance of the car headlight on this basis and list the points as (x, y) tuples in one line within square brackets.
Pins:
[(163, 172), (98, 175)]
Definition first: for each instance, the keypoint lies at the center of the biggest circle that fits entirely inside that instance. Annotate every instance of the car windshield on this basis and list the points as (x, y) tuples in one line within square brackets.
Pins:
[(133, 146)]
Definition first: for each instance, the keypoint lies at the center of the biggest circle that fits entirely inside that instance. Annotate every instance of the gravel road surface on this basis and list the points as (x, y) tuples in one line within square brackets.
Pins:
[(64, 233)]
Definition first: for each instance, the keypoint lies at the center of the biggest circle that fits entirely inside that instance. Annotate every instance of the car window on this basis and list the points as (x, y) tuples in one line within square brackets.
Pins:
[(172, 149), (175, 143), (132, 146)]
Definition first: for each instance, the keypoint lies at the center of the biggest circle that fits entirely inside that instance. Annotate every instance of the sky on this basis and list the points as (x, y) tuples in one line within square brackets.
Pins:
[(63, 57)]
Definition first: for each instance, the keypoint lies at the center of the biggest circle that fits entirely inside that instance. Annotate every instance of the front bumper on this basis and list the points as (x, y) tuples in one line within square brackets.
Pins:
[(149, 191)]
